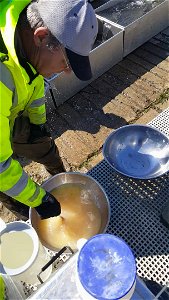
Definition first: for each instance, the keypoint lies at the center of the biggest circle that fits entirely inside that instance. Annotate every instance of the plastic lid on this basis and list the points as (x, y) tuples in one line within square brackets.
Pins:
[(106, 267), (20, 226)]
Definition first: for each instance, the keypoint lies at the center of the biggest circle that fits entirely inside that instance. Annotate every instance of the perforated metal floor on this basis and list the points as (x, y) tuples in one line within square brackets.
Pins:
[(135, 213)]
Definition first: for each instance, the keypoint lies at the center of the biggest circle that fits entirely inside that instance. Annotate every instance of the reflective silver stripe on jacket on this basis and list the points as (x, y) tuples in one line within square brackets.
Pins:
[(37, 103), (7, 79), (5, 165), (35, 195), (19, 186)]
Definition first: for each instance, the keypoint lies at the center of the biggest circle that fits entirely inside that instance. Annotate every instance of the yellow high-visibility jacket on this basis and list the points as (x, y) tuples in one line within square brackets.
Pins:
[(21, 89), (2, 288)]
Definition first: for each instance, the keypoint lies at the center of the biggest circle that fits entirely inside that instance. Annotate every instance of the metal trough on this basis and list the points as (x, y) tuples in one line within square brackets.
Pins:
[(140, 19), (107, 51)]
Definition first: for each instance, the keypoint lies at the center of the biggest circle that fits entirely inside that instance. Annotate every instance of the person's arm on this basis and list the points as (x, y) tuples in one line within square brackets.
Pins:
[(14, 181), (37, 110)]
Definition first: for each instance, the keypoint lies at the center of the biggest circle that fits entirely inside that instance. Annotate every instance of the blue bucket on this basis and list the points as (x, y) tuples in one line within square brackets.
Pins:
[(106, 269)]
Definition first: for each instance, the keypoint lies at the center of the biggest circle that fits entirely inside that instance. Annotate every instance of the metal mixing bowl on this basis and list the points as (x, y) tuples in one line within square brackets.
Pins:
[(90, 184), (138, 151)]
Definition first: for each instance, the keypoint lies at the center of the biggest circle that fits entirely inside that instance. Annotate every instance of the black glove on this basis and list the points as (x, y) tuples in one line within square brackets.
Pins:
[(49, 207), (38, 131)]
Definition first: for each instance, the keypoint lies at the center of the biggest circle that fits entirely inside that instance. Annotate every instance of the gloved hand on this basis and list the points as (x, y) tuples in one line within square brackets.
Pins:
[(38, 131), (49, 207)]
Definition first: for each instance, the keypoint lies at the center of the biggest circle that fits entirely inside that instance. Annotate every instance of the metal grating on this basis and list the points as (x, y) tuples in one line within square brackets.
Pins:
[(135, 213), (161, 122)]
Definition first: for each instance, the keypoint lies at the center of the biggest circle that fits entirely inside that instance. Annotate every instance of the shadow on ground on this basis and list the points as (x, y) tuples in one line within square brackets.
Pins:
[(96, 105)]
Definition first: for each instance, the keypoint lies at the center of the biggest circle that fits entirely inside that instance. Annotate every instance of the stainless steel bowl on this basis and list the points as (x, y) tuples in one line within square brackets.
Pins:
[(90, 183), (138, 151)]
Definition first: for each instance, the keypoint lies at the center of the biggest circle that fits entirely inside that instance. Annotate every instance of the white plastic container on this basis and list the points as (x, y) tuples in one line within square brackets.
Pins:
[(106, 269), (62, 285), (26, 269)]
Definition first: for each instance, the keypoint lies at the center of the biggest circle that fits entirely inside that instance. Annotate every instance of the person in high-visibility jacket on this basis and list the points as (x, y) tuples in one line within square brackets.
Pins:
[(37, 39)]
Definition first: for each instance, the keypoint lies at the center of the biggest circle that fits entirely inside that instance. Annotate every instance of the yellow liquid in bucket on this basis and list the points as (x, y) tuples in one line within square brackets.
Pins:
[(80, 217), (16, 249)]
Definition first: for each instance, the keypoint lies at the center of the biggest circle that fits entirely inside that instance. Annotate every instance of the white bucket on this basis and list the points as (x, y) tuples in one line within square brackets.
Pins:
[(87, 296), (26, 256)]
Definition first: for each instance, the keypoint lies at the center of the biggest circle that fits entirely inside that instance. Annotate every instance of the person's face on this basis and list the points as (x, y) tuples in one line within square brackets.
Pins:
[(50, 59)]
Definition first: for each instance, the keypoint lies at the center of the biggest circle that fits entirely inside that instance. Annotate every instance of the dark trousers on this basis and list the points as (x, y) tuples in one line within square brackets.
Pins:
[(41, 149)]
